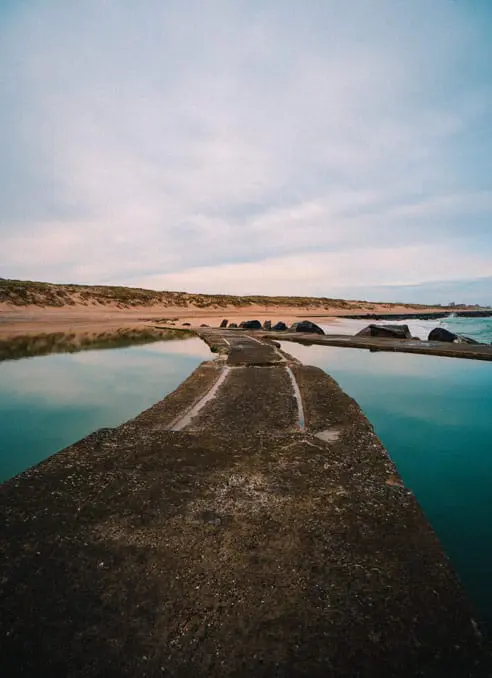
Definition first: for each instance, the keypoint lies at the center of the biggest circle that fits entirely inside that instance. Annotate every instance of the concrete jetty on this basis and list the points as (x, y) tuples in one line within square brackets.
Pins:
[(417, 346), (249, 524)]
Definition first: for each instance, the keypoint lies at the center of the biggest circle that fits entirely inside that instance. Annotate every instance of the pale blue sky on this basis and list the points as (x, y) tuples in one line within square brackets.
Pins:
[(331, 147)]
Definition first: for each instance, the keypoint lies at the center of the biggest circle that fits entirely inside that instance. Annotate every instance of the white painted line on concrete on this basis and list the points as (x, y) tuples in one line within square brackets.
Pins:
[(185, 420), (247, 336), (227, 342), (298, 397)]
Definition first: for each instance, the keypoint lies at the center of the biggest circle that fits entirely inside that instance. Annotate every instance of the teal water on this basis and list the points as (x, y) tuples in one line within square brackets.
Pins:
[(434, 416), (49, 402), (479, 329)]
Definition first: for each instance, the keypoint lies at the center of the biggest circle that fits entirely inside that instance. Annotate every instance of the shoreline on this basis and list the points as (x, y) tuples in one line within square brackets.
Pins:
[(17, 320)]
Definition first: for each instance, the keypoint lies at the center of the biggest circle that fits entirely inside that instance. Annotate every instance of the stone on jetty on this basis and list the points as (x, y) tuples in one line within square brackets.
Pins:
[(224, 323), (267, 325), (251, 325), (442, 334), (280, 327), (391, 331), (232, 326), (307, 326)]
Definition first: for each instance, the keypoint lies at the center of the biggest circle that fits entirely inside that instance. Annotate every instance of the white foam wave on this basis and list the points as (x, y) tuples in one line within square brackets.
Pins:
[(418, 328)]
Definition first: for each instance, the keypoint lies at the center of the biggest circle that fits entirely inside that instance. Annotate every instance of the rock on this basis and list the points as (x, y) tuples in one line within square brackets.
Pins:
[(251, 325), (442, 334), (307, 326), (224, 323), (232, 325), (186, 324), (390, 331), (204, 325), (279, 327), (466, 340), (267, 325)]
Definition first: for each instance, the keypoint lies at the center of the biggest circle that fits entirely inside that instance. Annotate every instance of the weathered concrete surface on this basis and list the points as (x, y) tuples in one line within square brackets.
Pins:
[(241, 348), (252, 400), (229, 550), (165, 413), (247, 351)]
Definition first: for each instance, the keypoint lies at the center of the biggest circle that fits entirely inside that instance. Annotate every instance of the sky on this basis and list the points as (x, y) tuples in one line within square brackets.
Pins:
[(338, 148)]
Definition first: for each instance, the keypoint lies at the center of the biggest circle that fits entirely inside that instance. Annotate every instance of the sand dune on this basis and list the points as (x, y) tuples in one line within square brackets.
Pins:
[(34, 307)]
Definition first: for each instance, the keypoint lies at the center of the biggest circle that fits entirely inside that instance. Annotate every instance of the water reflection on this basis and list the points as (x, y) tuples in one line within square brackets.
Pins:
[(49, 402), (30, 345)]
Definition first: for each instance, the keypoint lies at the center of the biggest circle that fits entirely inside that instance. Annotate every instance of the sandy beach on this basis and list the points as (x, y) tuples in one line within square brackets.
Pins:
[(16, 320)]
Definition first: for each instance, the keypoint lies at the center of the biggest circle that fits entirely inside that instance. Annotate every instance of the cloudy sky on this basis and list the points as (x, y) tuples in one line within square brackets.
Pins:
[(327, 147)]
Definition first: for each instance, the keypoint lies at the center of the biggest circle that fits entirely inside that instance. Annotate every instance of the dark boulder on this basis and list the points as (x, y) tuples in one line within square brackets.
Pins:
[(442, 334), (279, 327), (224, 323), (232, 325), (389, 331), (186, 324), (267, 325), (307, 326), (251, 325), (204, 325), (466, 340)]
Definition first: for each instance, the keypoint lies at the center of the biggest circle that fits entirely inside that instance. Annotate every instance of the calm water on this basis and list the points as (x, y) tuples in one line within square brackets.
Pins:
[(434, 415), (47, 403)]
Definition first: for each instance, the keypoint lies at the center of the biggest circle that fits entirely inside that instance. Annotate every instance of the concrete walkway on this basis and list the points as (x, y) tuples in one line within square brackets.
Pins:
[(435, 348), (250, 524)]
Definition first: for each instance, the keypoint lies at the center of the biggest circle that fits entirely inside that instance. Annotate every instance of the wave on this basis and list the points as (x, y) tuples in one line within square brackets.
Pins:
[(476, 328), (479, 329)]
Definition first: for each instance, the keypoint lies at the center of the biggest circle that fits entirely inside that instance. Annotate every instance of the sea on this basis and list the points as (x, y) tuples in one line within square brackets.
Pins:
[(479, 329), (433, 414)]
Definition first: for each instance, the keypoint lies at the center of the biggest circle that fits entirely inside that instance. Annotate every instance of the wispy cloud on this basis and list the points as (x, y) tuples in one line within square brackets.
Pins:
[(253, 147), (339, 271)]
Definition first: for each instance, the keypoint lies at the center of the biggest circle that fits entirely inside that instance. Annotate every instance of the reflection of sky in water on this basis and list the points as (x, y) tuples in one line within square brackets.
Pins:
[(49, 402), (186, 347), (434, 416)]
